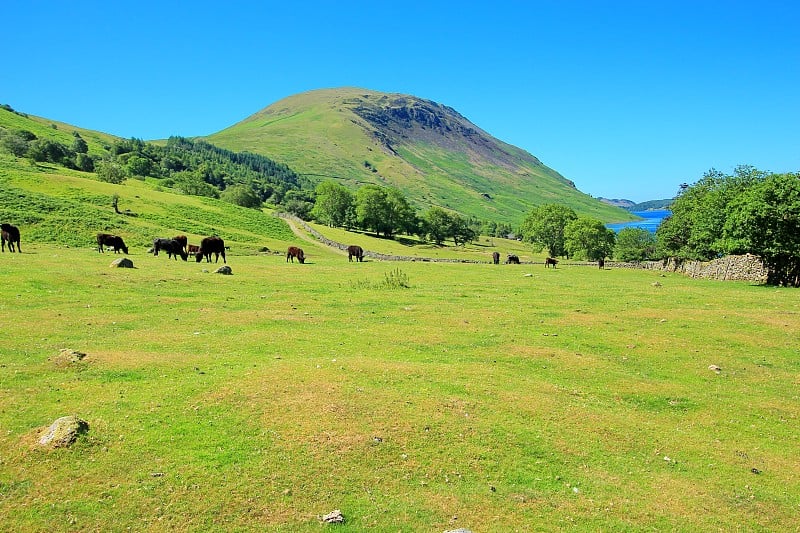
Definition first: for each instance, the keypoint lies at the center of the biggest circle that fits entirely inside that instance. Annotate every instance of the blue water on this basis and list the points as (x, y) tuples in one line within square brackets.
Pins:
[(651, 220)]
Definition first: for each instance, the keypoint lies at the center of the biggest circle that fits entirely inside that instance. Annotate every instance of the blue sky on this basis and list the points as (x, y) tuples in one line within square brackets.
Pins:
[(626, 98)]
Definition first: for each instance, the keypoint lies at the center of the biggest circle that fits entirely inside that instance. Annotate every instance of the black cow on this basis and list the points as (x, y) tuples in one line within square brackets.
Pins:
[(173, 247), (496, 258), (112, 241), (601, 263), (293, 252), (512, 259), (211, 245), (10, 235), (550, 261), (355, 251), (184, 242)]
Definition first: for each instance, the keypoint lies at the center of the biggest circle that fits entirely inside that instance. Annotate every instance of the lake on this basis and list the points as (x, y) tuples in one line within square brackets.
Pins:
[(651, 220)]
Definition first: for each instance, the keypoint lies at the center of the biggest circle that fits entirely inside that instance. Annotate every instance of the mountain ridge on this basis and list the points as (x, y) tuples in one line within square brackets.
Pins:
[(428, 150)]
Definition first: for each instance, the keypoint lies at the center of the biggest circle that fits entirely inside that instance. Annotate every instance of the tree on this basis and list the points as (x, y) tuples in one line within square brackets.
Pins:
[(193, 184), (42, 150), (333, 205), (460, 230), (79, 146), (635, 244), (137, 165), (16, 142), (402, 217), (110, 171), (299, 203), (372, 209), (765, 220), (84, 162), (241, 195), (587, 238), (544, 227), (694, 230), (436, 224)]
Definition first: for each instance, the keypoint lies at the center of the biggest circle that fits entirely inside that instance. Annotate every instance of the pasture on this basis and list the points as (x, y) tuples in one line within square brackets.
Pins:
[(476, 397)]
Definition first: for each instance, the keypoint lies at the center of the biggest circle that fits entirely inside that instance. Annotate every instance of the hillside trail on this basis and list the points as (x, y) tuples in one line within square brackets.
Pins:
[(309, 234), (300, 229)]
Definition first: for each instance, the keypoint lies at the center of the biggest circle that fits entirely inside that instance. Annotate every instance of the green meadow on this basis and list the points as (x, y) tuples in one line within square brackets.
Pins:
[(493, 398), (412, 396)]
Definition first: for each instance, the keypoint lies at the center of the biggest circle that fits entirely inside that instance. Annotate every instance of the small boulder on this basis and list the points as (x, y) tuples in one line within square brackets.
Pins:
[(226, 270), (714, 368), (122, 262), (63, 432), (334, 517)]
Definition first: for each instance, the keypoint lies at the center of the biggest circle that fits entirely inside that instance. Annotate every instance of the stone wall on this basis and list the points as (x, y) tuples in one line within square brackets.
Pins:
[(731, 267)]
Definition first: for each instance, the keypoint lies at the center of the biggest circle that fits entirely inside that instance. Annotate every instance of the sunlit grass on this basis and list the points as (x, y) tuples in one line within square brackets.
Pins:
[(477, 397)]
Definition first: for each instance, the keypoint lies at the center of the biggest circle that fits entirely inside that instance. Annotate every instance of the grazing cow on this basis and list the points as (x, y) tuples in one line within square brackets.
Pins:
[(173, 247), (601, 264), (192, 249), (10, 235), (211, 245), (550, 261), (293, 252), (355, 251), (496, 258), (512, 259), (112, 241), (183, 240)]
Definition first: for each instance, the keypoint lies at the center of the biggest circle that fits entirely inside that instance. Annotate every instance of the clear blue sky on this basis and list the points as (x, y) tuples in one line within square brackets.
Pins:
[(626, 98)]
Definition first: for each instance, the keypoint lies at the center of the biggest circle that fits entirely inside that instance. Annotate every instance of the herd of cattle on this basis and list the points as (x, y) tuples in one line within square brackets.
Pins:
[(175, 247), (179, 247)]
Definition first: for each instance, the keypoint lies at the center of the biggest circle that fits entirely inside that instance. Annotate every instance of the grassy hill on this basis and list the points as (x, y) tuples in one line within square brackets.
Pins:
[(427, 150)]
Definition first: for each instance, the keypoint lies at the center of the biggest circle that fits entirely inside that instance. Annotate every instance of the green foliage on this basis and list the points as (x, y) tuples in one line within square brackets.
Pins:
[(334, 204), (588, 238), (84, 162), (635, 244), (544, 227), (241, 195), (15, 142), (748, 212), (46, 150), (438, 225), (192, 183), (765, 220), (110, 172), (299, 203), (79, 146)]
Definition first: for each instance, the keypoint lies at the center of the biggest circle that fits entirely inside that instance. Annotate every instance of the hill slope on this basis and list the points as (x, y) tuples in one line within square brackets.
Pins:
[(427, 150)]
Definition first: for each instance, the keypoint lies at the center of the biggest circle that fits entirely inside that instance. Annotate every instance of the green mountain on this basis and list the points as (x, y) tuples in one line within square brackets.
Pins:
[(434, 155)]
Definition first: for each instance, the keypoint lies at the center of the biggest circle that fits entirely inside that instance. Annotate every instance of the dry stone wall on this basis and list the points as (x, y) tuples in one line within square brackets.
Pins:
[(746, 267)]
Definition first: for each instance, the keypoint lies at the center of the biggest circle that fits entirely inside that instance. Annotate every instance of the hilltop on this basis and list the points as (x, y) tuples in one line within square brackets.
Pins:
[(427, 150)]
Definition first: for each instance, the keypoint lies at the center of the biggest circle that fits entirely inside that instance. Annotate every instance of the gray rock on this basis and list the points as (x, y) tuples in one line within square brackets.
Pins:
[(334, 517), (63, 432), (122, 262)]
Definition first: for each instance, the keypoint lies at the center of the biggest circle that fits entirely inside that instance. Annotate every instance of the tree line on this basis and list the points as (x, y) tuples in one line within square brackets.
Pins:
[(191, 167), (749, 211)]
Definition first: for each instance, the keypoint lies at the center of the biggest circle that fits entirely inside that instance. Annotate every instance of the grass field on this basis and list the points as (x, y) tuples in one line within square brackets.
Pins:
[(478, 397)]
